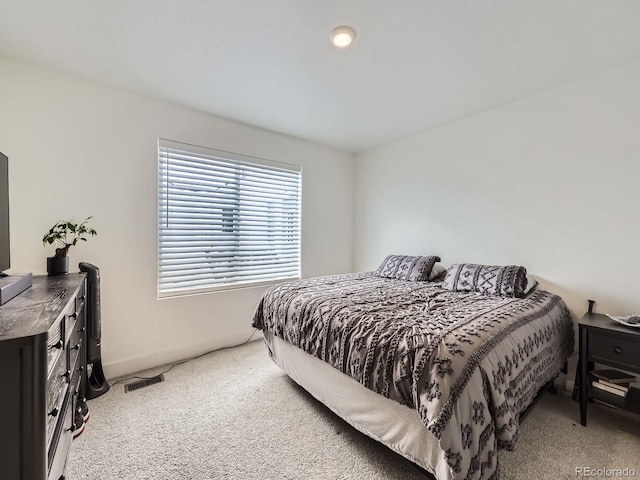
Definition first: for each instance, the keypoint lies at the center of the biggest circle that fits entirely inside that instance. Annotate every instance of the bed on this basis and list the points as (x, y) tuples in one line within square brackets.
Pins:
[(439, 376)]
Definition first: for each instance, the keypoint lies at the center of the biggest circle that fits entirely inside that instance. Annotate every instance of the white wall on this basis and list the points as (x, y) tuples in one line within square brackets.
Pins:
[(78, 148), (551, 182)]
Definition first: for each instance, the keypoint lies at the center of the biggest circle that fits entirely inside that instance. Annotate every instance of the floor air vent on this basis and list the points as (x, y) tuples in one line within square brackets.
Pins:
[(130, 387)]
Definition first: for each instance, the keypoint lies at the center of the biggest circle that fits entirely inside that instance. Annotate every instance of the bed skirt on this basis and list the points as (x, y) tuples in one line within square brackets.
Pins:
[(394, 425)]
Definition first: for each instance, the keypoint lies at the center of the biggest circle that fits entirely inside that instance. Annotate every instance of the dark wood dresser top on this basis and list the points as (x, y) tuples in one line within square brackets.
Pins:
[(35, 310)]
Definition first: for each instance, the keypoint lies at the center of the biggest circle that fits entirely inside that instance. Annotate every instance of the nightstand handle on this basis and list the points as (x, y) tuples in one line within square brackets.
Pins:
[(617, 350)]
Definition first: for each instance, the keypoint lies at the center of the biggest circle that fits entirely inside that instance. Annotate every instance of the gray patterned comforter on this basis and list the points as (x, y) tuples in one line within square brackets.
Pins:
[(468, 363)]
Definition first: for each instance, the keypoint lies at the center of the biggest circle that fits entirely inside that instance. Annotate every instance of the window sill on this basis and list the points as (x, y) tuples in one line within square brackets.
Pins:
[(188, 292)]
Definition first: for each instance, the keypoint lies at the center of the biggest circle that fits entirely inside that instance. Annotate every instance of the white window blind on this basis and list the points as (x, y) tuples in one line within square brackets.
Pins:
[(225, 220)]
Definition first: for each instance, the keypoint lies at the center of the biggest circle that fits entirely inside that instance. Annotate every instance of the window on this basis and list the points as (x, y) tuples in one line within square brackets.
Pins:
[(225, 220)]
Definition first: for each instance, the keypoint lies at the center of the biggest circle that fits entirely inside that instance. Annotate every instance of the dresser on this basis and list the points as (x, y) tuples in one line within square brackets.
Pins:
[(42, 364), (605, 342)]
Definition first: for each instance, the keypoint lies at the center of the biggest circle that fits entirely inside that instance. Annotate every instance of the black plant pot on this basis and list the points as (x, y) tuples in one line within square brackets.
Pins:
[(57, 265)]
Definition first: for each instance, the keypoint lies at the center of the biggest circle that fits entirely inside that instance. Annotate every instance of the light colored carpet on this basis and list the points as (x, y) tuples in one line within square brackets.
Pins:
[(234, 415)]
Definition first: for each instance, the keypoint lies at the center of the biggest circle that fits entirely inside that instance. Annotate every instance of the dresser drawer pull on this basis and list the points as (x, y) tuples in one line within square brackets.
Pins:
[(54, 412), (81, 368), (617, 350), (82, 297), (59, 344), (81, 329), (66, 374), (76, 347), (74, 315)]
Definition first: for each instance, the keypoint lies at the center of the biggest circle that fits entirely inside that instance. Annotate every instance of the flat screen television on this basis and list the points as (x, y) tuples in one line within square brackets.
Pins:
[(10, 285), (5, 257)]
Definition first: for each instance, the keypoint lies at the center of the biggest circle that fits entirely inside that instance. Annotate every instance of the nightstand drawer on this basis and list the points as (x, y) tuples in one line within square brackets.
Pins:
[(613, 349)]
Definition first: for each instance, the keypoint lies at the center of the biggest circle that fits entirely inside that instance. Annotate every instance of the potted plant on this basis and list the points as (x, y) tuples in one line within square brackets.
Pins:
[(66, 234)]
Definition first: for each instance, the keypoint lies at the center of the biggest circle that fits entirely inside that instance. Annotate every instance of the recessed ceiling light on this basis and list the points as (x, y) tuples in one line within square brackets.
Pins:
[(343, 36)]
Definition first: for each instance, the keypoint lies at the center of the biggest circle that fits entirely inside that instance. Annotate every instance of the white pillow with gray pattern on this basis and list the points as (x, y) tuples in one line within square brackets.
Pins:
[(506, 281), (405, 267)]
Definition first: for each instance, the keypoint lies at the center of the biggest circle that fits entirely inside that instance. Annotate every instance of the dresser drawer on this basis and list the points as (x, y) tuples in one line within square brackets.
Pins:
[(55, 345), (76, 377), (72, 312), (75, 347), (621, 351), (57, 384), (58, 450), (80, 300)]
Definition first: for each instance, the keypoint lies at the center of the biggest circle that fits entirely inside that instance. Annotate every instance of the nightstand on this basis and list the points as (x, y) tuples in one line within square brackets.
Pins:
[(608, 343)]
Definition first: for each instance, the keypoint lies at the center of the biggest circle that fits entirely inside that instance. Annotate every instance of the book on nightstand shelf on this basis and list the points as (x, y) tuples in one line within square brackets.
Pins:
[(604, 386), (614, 376)]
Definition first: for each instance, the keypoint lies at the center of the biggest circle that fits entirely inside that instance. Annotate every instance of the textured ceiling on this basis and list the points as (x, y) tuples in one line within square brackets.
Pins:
[(414, 65)]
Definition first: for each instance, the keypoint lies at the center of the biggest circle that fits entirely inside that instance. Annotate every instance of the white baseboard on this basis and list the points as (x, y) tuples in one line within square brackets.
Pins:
[(131, 365)]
